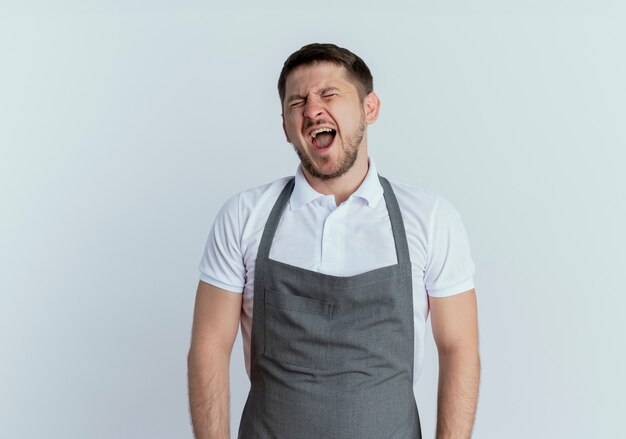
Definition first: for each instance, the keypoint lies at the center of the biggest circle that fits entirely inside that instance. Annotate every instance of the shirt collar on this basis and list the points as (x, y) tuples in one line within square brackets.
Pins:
[(370, 189)]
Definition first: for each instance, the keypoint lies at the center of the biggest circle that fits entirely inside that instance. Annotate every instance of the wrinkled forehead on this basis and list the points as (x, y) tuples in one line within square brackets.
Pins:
[(310, 77)]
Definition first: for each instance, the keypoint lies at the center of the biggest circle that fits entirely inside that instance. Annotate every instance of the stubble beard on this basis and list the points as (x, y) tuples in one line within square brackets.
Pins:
[(346, 160)]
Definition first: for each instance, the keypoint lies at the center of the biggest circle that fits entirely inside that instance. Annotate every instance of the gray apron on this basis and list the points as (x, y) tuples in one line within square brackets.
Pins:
[(331, 356)]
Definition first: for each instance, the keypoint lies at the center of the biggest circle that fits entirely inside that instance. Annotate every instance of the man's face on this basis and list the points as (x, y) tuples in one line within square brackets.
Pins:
[(324, 118)]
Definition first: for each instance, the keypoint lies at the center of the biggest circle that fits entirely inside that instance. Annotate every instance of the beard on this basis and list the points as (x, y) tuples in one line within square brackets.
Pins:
[(347, 156)]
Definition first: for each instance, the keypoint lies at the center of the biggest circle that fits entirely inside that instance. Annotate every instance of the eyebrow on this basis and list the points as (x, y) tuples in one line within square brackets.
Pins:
[(320, 92), (327, 90), (295, 98)]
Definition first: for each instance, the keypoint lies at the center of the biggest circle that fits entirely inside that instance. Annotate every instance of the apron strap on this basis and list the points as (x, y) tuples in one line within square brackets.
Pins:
[(397, 224), (395, 216), (272, 221)]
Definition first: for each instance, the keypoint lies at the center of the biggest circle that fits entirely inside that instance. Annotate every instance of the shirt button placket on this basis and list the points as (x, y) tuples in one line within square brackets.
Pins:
[(327, 237)]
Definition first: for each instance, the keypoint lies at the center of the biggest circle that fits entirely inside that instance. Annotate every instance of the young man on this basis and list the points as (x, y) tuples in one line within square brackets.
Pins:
[(339, 269)]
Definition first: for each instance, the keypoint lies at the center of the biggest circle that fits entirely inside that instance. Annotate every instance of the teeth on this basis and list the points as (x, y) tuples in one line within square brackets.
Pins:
[(320, 130)]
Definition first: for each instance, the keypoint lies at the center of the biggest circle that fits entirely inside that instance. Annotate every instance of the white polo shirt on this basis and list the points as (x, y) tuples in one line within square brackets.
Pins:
[(343, 240)]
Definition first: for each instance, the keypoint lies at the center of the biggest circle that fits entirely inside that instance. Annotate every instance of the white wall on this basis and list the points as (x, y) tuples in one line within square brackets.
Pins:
[(123, 128)]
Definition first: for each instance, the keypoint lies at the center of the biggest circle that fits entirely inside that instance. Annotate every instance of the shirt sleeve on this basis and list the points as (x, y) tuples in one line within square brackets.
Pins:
[(222, 262), (450, 269)]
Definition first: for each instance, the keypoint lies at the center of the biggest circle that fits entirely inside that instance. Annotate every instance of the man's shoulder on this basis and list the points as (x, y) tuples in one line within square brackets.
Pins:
[(267, 192), (417, 202), (414, 197), (261, 197)]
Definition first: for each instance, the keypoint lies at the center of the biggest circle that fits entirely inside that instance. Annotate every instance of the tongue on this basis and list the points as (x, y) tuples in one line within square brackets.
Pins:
[(323, 140)]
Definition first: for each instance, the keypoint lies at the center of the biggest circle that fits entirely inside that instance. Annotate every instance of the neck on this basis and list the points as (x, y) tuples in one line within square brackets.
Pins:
[(344, 186)]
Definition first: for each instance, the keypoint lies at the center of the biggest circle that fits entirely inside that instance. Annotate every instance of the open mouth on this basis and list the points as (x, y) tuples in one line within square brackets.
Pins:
[(322, 138)]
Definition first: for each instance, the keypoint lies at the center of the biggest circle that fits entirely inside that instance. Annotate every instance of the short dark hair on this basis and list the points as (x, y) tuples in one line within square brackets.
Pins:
[(358, 72)]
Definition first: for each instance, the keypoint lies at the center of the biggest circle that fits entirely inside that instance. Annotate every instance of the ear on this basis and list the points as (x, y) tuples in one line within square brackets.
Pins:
[(371, 106), (285, 128)]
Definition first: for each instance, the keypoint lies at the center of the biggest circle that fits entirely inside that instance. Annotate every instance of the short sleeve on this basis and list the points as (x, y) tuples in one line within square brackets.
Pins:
[(222, 262), (450, 269)]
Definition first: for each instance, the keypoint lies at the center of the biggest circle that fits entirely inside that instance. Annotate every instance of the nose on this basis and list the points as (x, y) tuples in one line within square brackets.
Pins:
[(313, 108)]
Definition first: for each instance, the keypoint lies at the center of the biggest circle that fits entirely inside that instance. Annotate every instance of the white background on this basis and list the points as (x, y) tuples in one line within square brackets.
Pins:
[(124, 126)]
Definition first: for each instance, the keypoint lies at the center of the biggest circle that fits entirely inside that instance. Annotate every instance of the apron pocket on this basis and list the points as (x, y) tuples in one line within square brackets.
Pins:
[(297, 329)]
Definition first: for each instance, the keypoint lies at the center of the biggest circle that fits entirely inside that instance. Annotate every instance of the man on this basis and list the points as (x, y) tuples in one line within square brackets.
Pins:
[(339, 269)]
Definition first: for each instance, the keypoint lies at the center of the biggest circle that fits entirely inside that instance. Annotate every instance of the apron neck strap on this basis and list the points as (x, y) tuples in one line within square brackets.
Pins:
[(397, 225), (272, 221)]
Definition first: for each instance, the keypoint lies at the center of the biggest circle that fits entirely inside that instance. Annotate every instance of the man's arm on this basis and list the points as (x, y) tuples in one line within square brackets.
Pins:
[(455, 330), (215, 324)]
